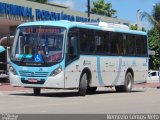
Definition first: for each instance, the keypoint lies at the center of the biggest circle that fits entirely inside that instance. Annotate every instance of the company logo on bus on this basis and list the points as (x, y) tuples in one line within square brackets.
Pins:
[(86, 62), (32, 73), (40, 69)]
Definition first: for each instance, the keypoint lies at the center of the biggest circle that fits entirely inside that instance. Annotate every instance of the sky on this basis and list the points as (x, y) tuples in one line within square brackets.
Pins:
[(126, 9)]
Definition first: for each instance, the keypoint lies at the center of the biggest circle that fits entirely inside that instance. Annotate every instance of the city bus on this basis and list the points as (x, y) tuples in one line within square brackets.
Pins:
[(82, 56)]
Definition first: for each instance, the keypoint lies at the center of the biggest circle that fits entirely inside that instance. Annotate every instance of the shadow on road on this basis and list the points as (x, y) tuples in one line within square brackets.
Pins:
[(71, 94)]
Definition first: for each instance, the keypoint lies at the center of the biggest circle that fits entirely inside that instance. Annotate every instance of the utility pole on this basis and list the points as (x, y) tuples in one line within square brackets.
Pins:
[(88, 6)]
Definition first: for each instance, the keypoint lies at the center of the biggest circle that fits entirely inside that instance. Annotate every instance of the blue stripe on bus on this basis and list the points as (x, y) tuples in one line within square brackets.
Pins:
[(118, 72), (99, 72), (130, 31)]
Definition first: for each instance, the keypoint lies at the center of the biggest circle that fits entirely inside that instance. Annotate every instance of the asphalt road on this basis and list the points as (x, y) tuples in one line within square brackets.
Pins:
[(141, 100)]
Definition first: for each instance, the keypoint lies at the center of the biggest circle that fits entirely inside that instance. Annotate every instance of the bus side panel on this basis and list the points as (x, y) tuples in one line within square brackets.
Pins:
[(74, 70), (72, 75), (105, 71), (139, 66), (141, 70), (90, 62), (111, 70)]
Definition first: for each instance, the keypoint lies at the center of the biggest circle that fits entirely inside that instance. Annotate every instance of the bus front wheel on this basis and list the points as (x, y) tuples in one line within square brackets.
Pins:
[(128, 83), (36, 91), (83, 85)]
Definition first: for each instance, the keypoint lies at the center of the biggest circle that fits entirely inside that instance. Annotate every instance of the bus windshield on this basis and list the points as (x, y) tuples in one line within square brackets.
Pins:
[(38, 45)]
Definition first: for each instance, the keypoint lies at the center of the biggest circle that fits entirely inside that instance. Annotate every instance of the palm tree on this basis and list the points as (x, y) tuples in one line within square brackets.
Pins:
[(102, 8), (154, 33), (153, 19), (40, 1)]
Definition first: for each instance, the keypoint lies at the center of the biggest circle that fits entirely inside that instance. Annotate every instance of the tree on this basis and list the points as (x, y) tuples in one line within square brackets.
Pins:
[(134, 27), (153, 38), (102, 8), (154, 34), (40, 1), (153, 19)]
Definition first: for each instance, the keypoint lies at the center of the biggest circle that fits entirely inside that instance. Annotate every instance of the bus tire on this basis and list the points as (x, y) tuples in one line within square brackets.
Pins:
[(83, 85), (91, 90), (128, 83), (36, 91)]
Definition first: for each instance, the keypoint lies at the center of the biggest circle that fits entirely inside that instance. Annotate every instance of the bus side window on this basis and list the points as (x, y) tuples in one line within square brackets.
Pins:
[(72, 48)]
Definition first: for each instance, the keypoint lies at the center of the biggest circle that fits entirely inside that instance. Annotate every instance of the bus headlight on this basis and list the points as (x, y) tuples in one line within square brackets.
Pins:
[(12, 70), (56, 71)]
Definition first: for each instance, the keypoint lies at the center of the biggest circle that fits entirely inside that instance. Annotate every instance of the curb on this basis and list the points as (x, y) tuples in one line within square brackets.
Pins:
[(4, 84)]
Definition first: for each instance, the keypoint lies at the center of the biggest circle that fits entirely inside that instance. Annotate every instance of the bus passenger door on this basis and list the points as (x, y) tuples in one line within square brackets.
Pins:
[(72, 56)]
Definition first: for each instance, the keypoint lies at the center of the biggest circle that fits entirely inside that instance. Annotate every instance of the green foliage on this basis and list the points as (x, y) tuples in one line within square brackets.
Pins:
[(154, 44), (154, 34), (153, 19), (102, 8), (143, 29), (156, 12), (40, 1), (134, 27)]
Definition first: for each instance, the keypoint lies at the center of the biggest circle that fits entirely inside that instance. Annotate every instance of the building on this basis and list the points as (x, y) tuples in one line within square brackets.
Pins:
[(15, 12)]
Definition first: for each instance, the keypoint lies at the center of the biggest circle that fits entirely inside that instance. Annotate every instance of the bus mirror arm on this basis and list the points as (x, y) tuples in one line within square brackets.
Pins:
[(8, 40)]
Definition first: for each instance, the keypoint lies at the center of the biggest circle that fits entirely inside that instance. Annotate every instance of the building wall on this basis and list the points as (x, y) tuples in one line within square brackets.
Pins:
[(3, 30), (45, 12)]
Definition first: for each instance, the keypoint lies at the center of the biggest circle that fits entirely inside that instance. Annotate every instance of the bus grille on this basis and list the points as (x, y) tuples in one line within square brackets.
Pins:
[(33, 74)]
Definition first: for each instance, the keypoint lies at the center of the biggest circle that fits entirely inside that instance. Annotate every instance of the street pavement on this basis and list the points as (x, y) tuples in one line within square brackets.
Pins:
[(145, 98)]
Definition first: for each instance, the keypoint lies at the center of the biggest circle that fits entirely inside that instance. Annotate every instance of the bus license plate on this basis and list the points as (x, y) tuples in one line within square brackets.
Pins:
[(32, 80)]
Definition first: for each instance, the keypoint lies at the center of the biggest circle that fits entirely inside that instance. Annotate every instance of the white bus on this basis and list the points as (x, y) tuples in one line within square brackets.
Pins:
[(68, 55)]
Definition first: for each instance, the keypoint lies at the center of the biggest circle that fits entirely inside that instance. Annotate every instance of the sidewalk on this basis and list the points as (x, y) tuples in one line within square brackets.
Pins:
[(8, 87), (148, 85)]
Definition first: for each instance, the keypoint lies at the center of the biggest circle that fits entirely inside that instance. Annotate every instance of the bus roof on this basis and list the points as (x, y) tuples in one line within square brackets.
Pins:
[(68, 24)]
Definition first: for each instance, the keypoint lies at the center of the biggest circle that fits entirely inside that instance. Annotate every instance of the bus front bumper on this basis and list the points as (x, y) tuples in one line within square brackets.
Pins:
[(50, 82)]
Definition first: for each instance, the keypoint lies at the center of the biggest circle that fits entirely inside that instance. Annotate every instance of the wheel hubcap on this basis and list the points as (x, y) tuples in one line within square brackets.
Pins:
[(129, 81)]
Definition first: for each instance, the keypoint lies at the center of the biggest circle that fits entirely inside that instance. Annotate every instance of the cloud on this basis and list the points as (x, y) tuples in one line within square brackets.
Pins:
[(68, 3)]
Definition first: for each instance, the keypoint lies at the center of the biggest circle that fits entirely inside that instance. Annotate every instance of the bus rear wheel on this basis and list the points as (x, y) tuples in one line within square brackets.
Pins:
[(128, 83), (83, 85), (36, 91)]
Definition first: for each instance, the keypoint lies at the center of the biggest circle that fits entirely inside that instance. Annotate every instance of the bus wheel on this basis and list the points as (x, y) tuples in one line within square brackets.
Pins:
[(36, 91), (83, 85), (128, 83), (91, 90)]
